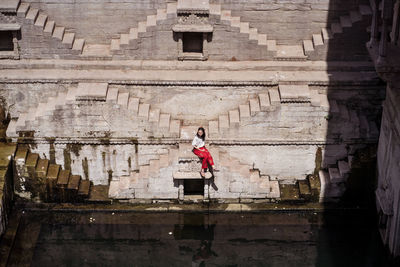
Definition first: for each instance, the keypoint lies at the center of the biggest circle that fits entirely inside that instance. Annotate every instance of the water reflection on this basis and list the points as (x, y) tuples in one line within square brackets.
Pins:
[(187, 239)]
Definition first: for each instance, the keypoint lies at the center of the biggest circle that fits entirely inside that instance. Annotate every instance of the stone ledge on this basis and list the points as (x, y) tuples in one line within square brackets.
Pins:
[(190, 175)]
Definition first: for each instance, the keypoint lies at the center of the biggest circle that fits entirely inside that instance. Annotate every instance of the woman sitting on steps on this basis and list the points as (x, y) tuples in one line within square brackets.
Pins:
[(201, 151)]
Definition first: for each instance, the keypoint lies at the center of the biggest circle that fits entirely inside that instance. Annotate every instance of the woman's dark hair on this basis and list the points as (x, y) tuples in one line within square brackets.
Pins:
[(203, 137)]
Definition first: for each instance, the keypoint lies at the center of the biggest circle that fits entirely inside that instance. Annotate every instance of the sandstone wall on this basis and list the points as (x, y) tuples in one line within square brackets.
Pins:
[(388, 189)]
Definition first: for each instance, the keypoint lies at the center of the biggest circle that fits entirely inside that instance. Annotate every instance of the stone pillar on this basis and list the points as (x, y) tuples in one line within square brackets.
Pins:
[(181, 192), (375, 22), (387, 10), (394, 35), (206, 189)]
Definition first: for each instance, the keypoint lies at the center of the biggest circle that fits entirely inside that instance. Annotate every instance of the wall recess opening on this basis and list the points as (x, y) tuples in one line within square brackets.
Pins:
[(6, 41), (193, 187), (193, 42)]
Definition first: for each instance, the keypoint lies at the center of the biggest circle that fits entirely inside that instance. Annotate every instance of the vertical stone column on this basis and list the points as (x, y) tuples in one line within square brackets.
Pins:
[(181, 191), (387, 10), (206, 189), (394, 35), (375, 22)]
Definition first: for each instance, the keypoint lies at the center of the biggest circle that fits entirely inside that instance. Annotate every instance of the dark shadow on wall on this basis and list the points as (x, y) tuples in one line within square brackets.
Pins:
[(348, 172)]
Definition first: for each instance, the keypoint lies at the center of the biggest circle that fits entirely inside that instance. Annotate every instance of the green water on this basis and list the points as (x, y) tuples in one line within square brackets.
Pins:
[(196, 239)]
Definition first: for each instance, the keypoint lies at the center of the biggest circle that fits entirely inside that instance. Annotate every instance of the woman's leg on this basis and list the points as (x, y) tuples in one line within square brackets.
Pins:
[(203, 156), (209, 158)]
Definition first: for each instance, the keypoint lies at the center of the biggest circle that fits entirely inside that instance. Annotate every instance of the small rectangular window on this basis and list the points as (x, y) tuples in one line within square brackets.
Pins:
[(192, 42), (6, 41)]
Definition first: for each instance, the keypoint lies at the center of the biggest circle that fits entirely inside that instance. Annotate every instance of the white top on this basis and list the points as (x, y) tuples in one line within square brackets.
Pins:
[(198, 142)]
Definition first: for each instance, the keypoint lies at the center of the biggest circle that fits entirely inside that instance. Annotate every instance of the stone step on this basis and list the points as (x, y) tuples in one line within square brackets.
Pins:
[(32, 15), (133, 34), (73, 183), (274, 190), (58, 32), (253, 34), (226, 15), (22, 153), (84, 188), (42, 167), (115, 44), (21, 120), (335, 176), (235, 22), (11, 128), (123, 99), (175, 127), (317, 39), (171, 8), (154, 115), (344, 168), (244, 27), (53, 171), (78, 45), (124, 39), (112, 95), (142, 26), (262, 39), (191, 175), (294, 92), (290, 52), (223, 122), (63, 178), (23, 10), (336, 27), (151, 20), (365, 10), (133, 105), (164, 121), (144, 110), (31, 161), (304, 189), (317, 101), (41, 20), (68, 39), (274, 97), (244, 111), (355, 16), (234, 118), (326, 34), (98, 194), (213, 128), (215, 9), (254, 106), (49, 28), (308, 46), (161, 14), (71, 94), (271, 45), (345, 21)]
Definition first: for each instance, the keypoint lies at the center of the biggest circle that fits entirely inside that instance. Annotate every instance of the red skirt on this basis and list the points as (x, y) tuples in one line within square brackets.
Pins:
[(205, 156)]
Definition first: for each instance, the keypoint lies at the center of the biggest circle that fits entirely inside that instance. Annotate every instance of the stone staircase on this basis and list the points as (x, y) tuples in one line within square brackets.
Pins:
[(267, 101), (318, 40), (30, 120), (53, 183), (50, 28), (183, 164), (333, 180), (244, 27)]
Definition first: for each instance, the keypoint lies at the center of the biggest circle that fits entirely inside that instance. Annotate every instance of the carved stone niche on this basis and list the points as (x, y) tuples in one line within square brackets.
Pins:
[(193, 31)]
